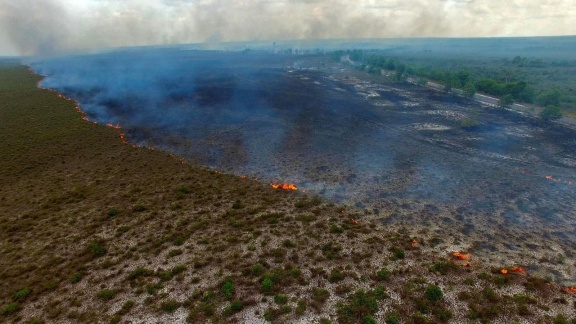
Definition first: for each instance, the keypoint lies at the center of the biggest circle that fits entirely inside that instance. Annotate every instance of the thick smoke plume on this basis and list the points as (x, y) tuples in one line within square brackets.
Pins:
[(34, 27)]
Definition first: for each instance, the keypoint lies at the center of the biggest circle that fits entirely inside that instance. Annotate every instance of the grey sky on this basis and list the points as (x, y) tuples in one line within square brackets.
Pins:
[(51, 26)]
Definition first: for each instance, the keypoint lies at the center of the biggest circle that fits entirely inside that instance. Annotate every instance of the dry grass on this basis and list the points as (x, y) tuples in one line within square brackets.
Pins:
[(94, 230)]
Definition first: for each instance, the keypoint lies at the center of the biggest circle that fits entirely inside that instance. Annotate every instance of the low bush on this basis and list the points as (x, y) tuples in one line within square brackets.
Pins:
[(434, 293), (10, 309), (106, 294), (169, 306)]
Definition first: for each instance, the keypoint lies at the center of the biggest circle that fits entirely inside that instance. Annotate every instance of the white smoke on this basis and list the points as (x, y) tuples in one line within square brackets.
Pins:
[(52, 26)]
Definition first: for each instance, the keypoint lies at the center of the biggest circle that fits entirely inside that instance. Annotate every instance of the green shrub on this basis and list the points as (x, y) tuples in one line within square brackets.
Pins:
[(295, 273), (22, 294), (380, 293), (267, 285), (359, 305), (383, 274), (397, 253), (237, 205), (10, 309), (151, 289), (96, 249), (113, 212), (106, 294), (236, 306), (551, 113), (257, 269), (335, 229), (169, 306), (228, 289), (164, 275), (301, 307), (320, 295), (181, 191), (139, 272), (434, 293), (174, 253), (280, 299), (336, 276), (178, 269), (233, 308), (368, 320), (392, 318), (288, 244), (561, 319), (443, 314), (126, 307), (76, 277), (443, 267)]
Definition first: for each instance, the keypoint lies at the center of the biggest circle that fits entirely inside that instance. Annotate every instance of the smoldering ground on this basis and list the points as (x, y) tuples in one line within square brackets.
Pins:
[(355, 142)]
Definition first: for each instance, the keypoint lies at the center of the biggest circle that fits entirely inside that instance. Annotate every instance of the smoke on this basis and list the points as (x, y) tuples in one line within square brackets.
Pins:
[(52, 26), (350, 140)]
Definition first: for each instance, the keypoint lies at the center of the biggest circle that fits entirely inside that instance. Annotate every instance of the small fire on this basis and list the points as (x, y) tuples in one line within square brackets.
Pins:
[(243, 177), (354, 221), (113, 126), (569, 290), (504, 271), (284, 186), (518, 270), (461, 256), (551, 178)]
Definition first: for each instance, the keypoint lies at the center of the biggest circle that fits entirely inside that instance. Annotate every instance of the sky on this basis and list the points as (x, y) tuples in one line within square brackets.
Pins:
[(43, 27)]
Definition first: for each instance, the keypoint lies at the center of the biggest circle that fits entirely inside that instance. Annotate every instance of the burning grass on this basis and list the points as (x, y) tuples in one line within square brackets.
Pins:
[(95, 230)]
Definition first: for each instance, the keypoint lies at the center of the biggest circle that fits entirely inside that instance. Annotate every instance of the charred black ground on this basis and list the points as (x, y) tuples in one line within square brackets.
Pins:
[(367, 143)]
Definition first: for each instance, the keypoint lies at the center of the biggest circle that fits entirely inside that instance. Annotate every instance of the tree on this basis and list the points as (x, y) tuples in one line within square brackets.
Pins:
[(550, 113), (469, 90), (551, 97), (505, 101), (449, 82)]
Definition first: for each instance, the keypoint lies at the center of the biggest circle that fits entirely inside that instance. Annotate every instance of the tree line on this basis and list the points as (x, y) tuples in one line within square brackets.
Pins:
[(509, 91)]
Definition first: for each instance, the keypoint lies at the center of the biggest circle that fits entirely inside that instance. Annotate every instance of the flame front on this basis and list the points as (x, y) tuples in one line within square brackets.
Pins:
[(461, 256), (284, 186), (569, 290)]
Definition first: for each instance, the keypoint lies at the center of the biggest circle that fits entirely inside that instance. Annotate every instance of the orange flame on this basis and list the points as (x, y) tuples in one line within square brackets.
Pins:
[(284, 186), (113, 126), (461, 256), (518, 270), (569, 290), (551, 178), (504, 271)]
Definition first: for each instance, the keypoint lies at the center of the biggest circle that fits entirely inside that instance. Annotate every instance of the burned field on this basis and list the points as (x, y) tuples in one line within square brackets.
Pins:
[(97, 230), (495, 180)]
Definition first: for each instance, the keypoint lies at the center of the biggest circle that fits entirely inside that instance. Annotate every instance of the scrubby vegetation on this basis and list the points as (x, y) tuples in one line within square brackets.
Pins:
[(544, 82), (91, 234)]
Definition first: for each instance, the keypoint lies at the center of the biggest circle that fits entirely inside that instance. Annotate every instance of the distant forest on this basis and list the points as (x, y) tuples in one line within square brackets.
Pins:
[(540, 81)]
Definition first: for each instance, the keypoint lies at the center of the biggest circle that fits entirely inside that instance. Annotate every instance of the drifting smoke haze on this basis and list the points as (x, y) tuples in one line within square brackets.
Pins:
[(279, 118), (31, 27)]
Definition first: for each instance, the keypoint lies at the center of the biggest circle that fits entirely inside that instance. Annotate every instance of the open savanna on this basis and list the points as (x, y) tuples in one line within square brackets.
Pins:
[(96, 230)]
